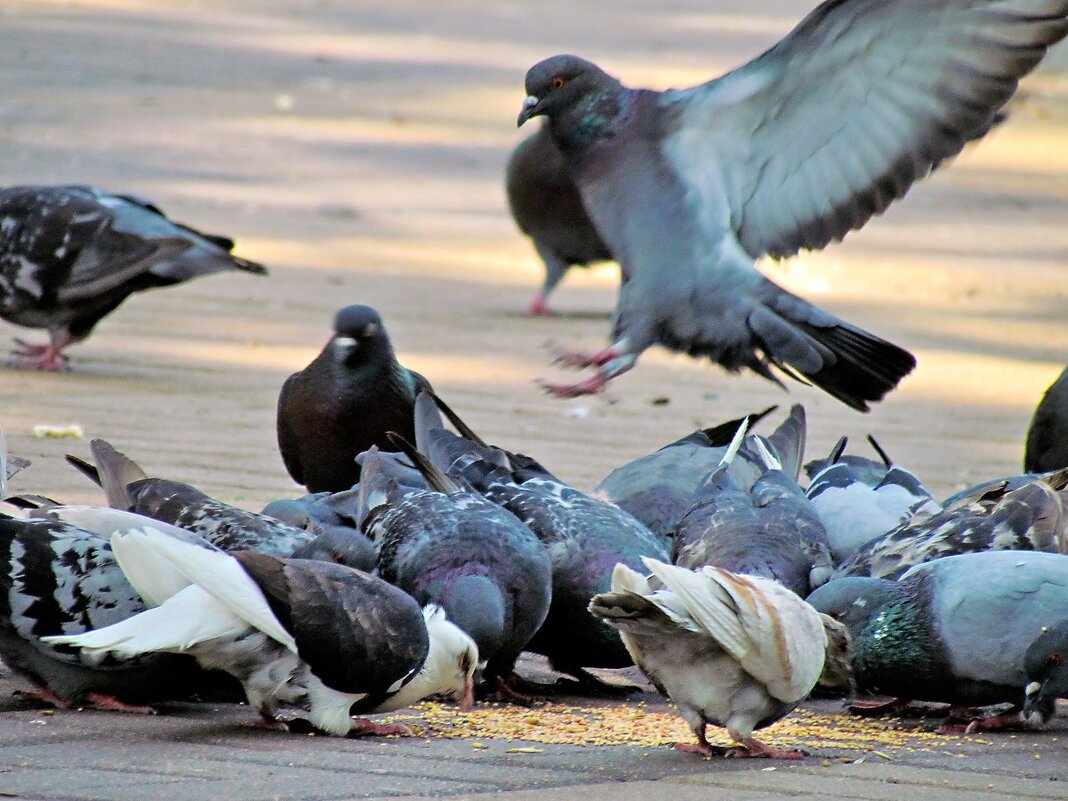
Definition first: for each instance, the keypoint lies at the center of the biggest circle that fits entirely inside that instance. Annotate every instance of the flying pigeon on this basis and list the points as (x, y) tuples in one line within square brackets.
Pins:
[(769, 530), (128, 487), (791, 151), (1047, 437), (344, 402), (855, 511), (69, 255), (1031, 517), (656, 488), (449, 546), (585, 538), (731, 650), (1046, 664), (546, 206), (956, 629), (57, 578), (317, 637)]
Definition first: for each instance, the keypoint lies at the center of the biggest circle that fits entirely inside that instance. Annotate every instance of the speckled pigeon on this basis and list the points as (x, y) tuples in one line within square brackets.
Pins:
[(128, 487), (791, 151), (1047, 436), (585, 538), (546, 205), (57, 578), (770, 530), (69, 255), (955, 629), (320, 638), (344, 402), (1031, 517), (1046, 663), (450, 546), (730, 650)]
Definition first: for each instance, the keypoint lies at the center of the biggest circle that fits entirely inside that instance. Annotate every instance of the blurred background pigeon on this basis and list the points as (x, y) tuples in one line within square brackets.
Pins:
[(69, 255), (791, 151), (344, 402), (1047, 436)]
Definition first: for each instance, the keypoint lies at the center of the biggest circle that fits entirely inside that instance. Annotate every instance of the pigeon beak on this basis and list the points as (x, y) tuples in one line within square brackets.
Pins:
[(344, 345), (467, 702), (530, 109)]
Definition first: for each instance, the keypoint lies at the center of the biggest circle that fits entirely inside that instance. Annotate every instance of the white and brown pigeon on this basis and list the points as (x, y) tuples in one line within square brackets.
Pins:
[(792, 151), (69, 255), (319, 638), (731, 650)]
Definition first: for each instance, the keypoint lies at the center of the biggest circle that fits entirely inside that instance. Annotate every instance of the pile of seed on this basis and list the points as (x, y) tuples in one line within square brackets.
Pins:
[(641, 726)]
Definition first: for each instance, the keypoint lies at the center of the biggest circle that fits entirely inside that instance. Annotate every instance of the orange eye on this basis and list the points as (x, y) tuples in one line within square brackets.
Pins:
[(558, 82)]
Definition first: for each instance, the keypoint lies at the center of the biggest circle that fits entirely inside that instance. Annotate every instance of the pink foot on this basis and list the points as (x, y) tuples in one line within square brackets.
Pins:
[(361, 727), (704, 749), (45, 695), (575, 358), (892, 706), (38, 357), (588, 386), (112, 704), (505, 691), (538, 308), (265, 724), (752, 748), (959, 723)]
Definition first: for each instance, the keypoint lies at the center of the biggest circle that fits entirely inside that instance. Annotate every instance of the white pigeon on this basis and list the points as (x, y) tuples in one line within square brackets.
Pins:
[(732, 650), (319, 637)]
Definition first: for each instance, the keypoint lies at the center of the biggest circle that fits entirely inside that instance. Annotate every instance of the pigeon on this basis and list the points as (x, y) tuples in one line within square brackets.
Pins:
[(788, 152), (585, 538), (953, 630), (57, 578), (546, 206), (855, 511), (1046, 664), (344, 402), (69, 255), (128, 487), (731, 650), (1031, 517), (335, 539), (317, 637), (769, 530), (1047, 437), (450, 546), (656, 488)]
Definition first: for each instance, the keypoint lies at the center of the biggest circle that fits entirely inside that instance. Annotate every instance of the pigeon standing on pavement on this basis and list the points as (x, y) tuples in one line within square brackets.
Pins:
[(730, 650), (791, 151), (321, 638), (1046, 663), (1047, 437), (956, 629), (546, 205), (344, 402), (69, 255)]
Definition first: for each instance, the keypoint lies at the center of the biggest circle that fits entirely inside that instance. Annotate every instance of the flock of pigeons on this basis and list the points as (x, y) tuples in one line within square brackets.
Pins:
[(424, 561)]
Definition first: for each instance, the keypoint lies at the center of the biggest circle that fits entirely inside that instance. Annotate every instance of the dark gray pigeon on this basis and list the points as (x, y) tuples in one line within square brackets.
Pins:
[(128, 487), (1046, 663), (319, 638), (791, 151), (547, 207), (769, 530), (656, 488), (69, 255), (954, 630), (336, 539), (1031, 517), (450, 546), (58, 578), (585, 537), (344, 402), (1047, 437)]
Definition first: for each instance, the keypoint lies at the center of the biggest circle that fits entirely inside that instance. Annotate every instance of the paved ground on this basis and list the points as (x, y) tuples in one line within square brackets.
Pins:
[(357, 149)]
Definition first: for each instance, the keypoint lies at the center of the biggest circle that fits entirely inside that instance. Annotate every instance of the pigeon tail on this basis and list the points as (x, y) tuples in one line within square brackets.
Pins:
[(436, 478), (114, 472)]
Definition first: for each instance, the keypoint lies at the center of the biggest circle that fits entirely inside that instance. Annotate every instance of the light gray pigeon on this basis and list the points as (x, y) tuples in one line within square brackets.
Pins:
[(69, 255), (954, 630), (1047, 437), (546, 205), (791, 151)]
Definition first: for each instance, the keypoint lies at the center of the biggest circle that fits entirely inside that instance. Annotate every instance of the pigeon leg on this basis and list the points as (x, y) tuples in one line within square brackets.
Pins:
[(539, 308), (362, 727), (752, 748), (587, 684), (968, 721), (266, 723), (577, 358), (702, 745), (112, 704), (45, 695), (505, 690), (42, 357), (588, 386), (613, 361), (892, 706)]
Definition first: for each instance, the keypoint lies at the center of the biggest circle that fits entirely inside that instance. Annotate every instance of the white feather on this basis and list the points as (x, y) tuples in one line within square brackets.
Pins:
[(736, 443)]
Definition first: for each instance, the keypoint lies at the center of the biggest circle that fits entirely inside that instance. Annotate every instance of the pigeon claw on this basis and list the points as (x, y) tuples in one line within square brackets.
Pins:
[(362, 727), (589, 386), (112, 704), (38, 357), (576, 358)]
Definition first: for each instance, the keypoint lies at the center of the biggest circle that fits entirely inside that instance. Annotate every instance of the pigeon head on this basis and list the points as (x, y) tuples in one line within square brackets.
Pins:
[(1046, 664), (450, 665), (577, 96), (355, 327)]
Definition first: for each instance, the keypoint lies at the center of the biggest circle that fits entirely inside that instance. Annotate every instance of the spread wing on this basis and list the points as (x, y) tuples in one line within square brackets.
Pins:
[(811, 139)]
